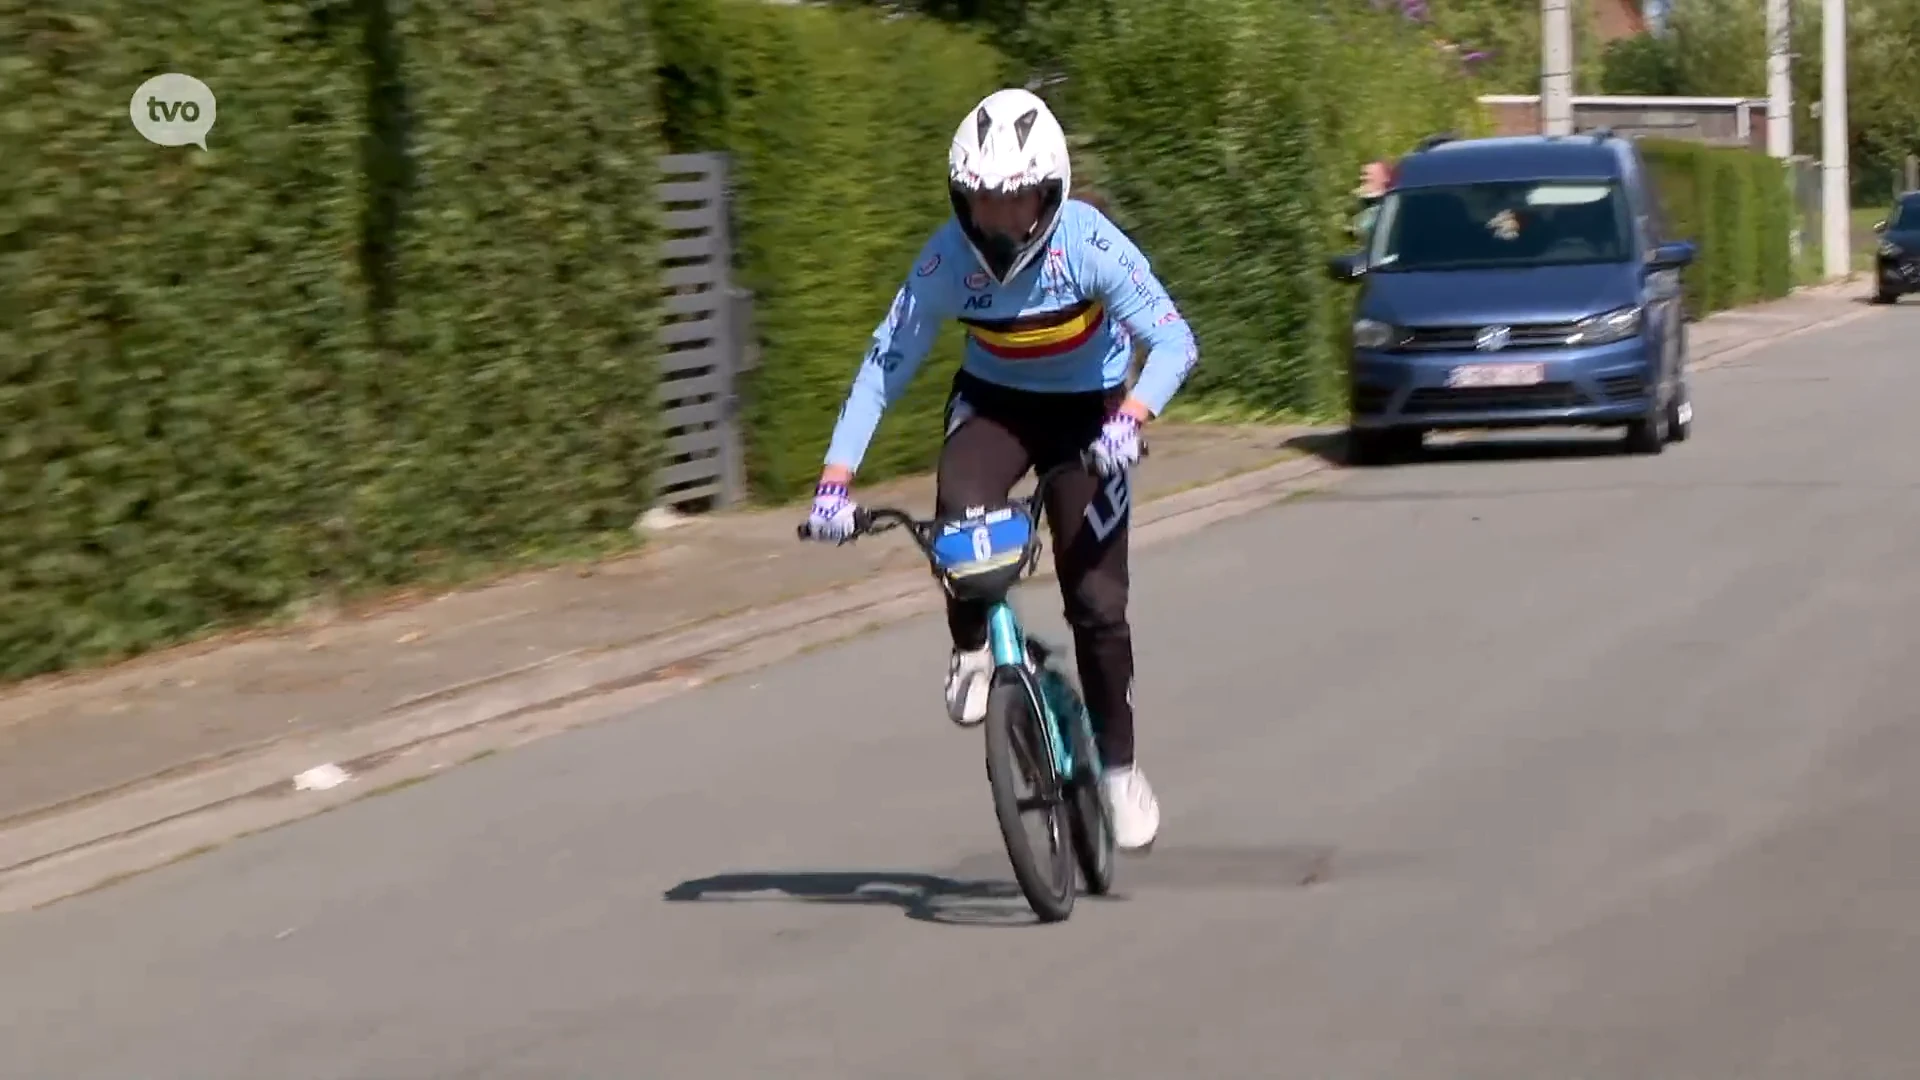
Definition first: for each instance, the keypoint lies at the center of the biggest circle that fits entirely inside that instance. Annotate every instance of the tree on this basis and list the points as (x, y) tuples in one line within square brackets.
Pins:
[(1718, 48)]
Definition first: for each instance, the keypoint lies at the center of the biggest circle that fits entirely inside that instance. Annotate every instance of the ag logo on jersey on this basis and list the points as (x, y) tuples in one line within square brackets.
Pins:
[(977, 280), (982, 302)]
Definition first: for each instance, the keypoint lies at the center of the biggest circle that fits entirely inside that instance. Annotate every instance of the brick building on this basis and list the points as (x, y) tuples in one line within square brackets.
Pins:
[(1728, 121), (1615, 19)]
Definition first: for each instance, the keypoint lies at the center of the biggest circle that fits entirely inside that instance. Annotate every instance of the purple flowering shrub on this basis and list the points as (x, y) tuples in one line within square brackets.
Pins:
[(1416, 11)]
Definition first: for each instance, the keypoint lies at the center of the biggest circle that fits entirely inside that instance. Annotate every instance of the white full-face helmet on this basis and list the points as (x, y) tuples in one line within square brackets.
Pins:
[(1008, 176)]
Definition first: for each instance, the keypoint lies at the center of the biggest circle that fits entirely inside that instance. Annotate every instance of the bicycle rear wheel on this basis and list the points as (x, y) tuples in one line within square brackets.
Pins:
[(1017, 758)]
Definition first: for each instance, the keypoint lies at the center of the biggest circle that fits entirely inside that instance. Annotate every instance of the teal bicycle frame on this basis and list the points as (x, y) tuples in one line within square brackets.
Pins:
[(1060, 706), (1004, 634)]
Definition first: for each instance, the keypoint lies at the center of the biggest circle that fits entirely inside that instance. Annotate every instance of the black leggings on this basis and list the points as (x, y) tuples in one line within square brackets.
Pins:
[(994, 435)]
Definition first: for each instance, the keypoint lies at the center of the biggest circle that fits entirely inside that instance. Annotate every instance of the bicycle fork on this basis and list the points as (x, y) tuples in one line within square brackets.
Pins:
[(1011, 648)]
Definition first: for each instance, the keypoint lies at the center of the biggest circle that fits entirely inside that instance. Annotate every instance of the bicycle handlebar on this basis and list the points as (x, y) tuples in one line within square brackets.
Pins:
[(877, 519)]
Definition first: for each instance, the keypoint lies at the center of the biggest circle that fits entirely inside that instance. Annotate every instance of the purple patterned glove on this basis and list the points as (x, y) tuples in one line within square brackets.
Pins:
[(1118, 447)]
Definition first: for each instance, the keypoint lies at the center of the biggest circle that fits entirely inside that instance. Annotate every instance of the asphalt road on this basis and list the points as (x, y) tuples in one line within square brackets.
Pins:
[(1540, 764)]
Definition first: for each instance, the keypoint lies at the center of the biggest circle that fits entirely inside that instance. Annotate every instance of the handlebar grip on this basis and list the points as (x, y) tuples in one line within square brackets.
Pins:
[(862, 521)]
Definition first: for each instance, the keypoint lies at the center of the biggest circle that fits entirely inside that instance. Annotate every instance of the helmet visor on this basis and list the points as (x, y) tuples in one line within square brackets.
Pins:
[(1006, 225)]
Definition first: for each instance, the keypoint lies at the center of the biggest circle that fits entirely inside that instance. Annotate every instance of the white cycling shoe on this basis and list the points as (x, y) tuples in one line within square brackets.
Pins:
[(969, 675), (1135, 810)]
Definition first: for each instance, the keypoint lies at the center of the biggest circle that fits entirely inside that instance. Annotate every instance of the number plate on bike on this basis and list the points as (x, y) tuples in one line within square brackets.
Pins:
[(982, 542)]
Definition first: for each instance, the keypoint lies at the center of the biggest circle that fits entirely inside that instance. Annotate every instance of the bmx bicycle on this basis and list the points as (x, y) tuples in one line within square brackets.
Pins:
[(1037, 726)]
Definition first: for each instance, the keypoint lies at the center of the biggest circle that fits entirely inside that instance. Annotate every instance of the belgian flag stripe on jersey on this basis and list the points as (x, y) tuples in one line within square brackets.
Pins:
[(1038, 336)]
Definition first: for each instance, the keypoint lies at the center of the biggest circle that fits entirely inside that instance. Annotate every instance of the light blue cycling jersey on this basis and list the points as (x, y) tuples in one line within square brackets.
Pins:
[(1066, 323)]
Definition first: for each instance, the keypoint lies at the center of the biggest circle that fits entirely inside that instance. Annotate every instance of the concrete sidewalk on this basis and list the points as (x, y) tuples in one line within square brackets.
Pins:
[(72, 741)]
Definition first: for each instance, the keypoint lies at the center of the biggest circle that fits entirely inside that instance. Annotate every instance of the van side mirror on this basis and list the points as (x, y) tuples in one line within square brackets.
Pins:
[(1346, 269), (1673, 256)]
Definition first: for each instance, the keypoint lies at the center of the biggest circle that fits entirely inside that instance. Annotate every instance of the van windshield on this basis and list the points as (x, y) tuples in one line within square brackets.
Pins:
[(1503, 225), (1906, 216)]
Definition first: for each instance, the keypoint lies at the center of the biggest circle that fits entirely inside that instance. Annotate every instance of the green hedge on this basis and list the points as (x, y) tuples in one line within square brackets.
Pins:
[(1231, 134), (839, 123), (1773, 184), (398, 313), (1735, 205), (516, 365), (176, 321)]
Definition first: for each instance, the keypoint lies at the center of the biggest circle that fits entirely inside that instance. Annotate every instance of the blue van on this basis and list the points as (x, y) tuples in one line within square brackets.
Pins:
[(1517, 282)]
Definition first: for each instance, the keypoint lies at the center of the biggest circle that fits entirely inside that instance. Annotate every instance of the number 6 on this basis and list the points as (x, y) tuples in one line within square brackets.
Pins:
[(982, 544)]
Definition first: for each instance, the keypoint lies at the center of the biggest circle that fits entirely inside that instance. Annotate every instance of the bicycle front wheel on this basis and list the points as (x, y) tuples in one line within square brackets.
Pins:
[(1092, 828), (1027, 788)]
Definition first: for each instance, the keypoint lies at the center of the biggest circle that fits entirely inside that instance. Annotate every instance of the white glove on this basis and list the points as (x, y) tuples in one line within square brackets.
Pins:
[(1118, 447), (832, 515)]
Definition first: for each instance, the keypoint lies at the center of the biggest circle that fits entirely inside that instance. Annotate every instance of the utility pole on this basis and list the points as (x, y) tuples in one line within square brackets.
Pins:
[(1780, 110), (1836, 205), (1779, 78), (1556, 67)]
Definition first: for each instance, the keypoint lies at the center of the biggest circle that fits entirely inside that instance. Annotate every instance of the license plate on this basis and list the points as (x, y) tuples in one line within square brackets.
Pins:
[(1468, 376)]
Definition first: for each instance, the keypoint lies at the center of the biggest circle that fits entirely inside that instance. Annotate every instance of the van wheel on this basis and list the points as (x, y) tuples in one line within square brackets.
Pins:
[(1648, 435), (1382, 446)]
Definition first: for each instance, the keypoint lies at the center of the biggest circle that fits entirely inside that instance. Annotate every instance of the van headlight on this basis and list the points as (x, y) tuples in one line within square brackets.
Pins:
[(1373, 334), (1608, 328)]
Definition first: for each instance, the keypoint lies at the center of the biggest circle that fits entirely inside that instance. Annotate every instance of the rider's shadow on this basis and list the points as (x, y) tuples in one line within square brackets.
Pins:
[(923, 897)]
